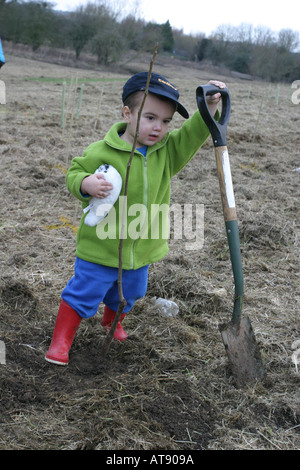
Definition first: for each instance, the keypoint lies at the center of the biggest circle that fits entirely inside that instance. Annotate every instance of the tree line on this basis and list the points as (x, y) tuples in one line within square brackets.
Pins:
[(98, 29)]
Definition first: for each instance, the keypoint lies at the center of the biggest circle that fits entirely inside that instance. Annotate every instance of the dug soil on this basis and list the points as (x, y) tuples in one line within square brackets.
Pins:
[(169, 386)]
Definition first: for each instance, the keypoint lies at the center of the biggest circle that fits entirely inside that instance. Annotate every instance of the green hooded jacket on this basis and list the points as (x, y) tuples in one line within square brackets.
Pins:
[(145, 238)]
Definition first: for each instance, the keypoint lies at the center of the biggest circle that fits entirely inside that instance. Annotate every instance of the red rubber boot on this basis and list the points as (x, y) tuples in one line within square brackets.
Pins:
[(107, 321), (66, 325)]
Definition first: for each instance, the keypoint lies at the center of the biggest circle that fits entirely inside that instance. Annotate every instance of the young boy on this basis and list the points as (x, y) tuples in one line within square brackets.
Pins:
[(158, 156)]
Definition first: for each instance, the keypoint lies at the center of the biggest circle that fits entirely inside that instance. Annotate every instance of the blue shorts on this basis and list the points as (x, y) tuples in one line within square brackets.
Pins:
[(94, 283)]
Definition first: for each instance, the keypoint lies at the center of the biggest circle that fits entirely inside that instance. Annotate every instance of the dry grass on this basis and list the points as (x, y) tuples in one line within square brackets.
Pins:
[(168, 386)]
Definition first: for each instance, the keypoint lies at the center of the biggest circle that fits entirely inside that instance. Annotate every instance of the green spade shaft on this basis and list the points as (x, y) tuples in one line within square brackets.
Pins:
[(218, 131), (231, 225)]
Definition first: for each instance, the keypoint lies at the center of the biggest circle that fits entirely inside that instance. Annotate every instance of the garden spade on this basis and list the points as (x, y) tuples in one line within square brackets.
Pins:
[(238, 335)]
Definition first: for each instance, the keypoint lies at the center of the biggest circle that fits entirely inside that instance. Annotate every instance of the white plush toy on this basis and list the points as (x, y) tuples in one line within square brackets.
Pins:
[(96, 213)]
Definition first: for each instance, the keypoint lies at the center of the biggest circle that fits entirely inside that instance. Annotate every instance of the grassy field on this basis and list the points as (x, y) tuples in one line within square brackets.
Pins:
[(169, 385)]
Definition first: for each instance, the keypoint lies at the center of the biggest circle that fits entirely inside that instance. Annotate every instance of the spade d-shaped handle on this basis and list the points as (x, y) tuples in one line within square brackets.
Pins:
[(217, 129)]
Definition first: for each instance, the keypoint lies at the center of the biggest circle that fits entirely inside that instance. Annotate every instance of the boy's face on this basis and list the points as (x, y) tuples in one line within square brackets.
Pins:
[(155, 118)]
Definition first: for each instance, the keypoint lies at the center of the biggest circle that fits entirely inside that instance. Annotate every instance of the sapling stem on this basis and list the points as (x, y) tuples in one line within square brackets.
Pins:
[(122, 300)]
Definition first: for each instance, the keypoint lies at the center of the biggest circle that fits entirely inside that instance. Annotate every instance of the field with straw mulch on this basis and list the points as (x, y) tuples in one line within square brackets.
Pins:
[(169, 386)]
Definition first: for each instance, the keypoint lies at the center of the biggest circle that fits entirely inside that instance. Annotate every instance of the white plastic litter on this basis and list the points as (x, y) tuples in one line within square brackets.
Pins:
[(99, 208), (167, 308)]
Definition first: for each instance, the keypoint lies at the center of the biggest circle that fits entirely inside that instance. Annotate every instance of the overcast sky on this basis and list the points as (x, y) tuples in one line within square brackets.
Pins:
[(194, 16)]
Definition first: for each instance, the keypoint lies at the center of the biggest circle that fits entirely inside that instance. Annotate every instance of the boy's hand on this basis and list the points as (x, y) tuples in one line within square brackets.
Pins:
[(213, 100), (96, 185)]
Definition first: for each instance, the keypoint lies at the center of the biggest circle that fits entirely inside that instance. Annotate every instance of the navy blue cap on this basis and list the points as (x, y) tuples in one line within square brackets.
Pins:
[(158, 85)]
